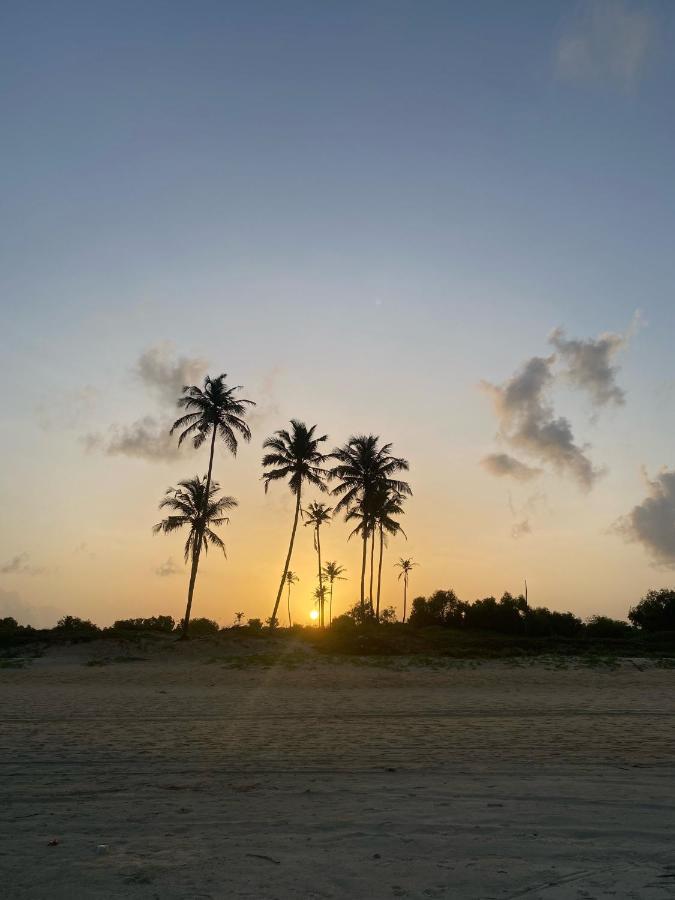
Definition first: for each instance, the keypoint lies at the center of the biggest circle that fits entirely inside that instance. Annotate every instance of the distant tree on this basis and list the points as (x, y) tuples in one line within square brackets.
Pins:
[(406, 567), (76, 626), (213, 411), (291, 579), (165, 624), (254, 624), (333, 572), (195, 504), (442, 608), (506, 615), (318, 514), (604, 627), (655, 611), (238, 617), (543, 622), (203, 627), (388, 614), (9, 625), (294, 455), (361, 468)]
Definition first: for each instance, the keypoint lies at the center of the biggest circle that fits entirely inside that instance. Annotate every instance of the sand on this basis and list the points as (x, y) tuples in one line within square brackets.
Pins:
[(175, 776)]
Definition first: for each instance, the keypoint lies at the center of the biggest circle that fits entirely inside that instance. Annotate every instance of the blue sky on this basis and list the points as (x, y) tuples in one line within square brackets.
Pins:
[(359, 211)]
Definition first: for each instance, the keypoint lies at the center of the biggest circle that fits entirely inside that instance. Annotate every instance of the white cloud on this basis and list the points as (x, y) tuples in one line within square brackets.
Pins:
[(607, 42)]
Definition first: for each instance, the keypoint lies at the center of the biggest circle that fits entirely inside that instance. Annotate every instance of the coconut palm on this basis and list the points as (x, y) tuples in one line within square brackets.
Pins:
[(362, 466), (195, 503), (294, 455), (318, 514), (333, 572), (213, 411), (386, 505), (405, 565), (291, 579)]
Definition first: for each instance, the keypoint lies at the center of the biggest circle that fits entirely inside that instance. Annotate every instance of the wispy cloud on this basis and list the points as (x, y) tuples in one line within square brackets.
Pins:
[(607, 42), (165, 375), (168, 568), (652, 522), (20, 565), (147, 438), (503, 464)]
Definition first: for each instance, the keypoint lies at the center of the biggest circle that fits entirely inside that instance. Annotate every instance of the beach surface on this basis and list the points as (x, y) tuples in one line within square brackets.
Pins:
[(190, 773)]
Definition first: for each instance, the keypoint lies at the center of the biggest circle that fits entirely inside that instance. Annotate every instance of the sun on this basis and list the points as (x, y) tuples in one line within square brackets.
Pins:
[(314, 615)]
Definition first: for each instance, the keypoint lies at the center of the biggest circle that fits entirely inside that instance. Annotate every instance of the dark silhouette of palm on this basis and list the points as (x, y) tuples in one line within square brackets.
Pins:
[(333, 572), (212, 410), (291, 579), (363, 467), (318, 514), (196, 506), (406, 566), (294, 455), (386, 505)]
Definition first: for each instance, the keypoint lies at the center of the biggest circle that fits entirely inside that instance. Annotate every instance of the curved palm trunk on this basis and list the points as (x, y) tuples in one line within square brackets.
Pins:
[(321, 600), (198, 540), (290, 624), (363, 575), (372, 562), (379, 575), (288, 560)]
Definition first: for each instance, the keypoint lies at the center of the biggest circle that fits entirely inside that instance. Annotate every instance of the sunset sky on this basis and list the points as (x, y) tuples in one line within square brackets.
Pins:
[(373, 216)]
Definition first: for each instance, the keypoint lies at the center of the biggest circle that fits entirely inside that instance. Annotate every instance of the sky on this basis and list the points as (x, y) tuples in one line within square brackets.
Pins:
[(448, 224)]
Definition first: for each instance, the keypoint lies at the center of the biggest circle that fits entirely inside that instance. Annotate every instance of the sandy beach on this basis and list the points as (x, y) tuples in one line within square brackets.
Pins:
[(177, 775)]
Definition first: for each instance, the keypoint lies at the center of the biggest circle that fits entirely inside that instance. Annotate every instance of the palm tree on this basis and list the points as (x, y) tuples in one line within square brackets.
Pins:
[(361, 467), (294, 455), (405, 565), (291, 579), (318, 514), (215, 410), (333, 572), (195, 503), (387, 504)]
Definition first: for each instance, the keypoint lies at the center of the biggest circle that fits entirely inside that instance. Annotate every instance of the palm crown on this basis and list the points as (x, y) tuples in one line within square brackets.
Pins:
[(333, 571), (406, 566), (362, 467), (213, 406), (190, 506), (295, 455)]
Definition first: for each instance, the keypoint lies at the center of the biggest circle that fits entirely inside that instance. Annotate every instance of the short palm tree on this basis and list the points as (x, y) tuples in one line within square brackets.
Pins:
[(386, 505), (406, 566), (196, 505), (318, 514), (361, 467), (294, 455), (213, 411), (291, 579), (333, 572)]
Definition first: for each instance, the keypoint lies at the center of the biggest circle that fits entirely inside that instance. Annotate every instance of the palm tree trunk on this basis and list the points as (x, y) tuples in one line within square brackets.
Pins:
[(288, 560), (290, 624), (321, 601), (330, 605), (198, 540), (379, 574), (363, 575), (372, 561), (405, 594)]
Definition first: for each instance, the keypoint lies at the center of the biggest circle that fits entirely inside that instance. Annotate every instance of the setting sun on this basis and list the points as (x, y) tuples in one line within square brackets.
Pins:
[(314, 615)]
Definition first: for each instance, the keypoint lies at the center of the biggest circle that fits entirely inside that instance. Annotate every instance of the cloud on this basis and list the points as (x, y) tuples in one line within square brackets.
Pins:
[(20, 565), (652, 522), (501, 464), (520, 529), (147, 438), (83, 549), (11, 604), (528, 423), (168, 568), (166, 376), (606, 43)]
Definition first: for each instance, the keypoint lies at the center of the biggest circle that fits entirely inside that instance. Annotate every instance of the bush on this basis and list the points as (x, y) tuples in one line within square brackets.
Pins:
[(255, 624), (604, 627), (9, 625), (201, 627), (543, 622), (506, 616), (164, 624), (655, 612), (73, 625), (442, 608)]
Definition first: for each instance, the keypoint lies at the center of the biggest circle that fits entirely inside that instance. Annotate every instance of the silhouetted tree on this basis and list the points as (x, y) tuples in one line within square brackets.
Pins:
[(195, 504), (406, 567), (333, 572), (386, 505), (655, 611), (604, 627), (291, 579), (294, 455), (318, 514), (442, 608), (213, 411), (362, 467)]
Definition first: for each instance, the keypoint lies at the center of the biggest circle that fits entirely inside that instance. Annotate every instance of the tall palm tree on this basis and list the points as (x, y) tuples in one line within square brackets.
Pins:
[(387, 504), (405, 565), (291, 579), (318, 514), (212, 410), (361, 467), (333, 572), (195, 503), (294, 455)]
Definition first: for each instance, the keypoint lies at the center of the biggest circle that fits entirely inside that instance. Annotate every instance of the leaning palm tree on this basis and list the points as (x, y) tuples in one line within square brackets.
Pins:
[(386, 504), (213, 411), (405, 565), (362, 466), (333, 572), (291, 579), (195, 503), (294, 455), (318, 514)]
